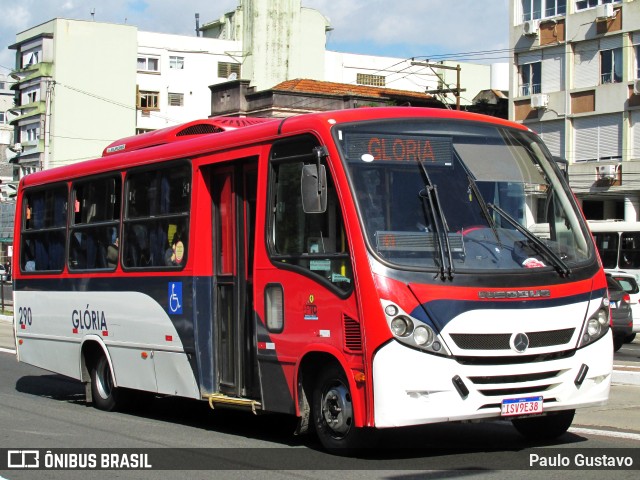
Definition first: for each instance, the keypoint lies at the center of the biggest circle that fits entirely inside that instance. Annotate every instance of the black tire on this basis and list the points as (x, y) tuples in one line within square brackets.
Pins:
[(332, 413), (546, 427), (105, 394), (617, 343), (630, 338)]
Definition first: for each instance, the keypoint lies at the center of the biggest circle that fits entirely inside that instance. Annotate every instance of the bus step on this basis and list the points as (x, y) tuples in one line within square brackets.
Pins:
[(222, 399)]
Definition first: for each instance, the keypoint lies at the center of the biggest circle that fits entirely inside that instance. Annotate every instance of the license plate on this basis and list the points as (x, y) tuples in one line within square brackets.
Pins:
[(521, 406), (613, 304)]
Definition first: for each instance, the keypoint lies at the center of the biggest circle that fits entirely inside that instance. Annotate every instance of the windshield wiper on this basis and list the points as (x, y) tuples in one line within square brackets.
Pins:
[(430, 192), (483, 206), (558, 263)]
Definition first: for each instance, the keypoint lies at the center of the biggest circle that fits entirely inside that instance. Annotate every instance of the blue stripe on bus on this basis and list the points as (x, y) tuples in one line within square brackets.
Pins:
[(441, 312)]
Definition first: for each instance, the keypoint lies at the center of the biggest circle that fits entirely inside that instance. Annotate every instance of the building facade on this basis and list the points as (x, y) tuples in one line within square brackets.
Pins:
[(574, 80), (74, 91), (173, 76)]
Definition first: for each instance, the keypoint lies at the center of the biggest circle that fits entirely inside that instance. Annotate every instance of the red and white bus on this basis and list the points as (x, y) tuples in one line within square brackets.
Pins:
[(362, 268)]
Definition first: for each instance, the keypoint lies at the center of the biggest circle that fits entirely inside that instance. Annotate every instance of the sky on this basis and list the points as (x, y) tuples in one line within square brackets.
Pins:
[(459, 30)]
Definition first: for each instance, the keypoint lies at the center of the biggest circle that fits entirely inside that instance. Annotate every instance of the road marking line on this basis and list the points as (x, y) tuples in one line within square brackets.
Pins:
[(6, 350), (605, 433)]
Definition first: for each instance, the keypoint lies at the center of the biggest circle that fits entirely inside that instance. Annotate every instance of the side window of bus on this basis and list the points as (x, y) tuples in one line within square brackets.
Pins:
[(95, 219), (312, 242), (630, 250), (44, 230), (607, 243), (156, 217)]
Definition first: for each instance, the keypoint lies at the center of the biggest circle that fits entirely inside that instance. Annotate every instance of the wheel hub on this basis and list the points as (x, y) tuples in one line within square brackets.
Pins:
[(337, 409)]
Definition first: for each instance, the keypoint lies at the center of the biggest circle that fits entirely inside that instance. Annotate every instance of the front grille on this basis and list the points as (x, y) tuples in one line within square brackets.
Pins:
[(515, 359), (531, 377), (484, 341), (514, 391), (551, 338), (481, 341)]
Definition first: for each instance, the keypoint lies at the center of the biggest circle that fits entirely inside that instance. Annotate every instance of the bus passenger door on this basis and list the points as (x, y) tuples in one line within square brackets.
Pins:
[(234, 192)]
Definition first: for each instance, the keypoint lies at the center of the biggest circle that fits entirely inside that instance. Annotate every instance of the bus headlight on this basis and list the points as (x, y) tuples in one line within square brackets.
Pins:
[(596, 326), (413, 332), (593, 327), (401, 326), (423, 336)]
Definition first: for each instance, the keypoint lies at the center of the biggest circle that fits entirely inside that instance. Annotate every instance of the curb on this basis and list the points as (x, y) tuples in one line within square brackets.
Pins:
[(626, 375), (6, 318)]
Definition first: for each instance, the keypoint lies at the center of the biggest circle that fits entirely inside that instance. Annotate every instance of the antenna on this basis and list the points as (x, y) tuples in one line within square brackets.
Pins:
[(93, 14)]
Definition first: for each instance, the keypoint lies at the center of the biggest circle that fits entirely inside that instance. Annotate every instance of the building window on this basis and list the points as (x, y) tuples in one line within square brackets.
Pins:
[(176, 63), (148, 64), (536, 9), (176, 99), (29, 133), (598, 137), (611, 66), (637, 50), (148, 100), (582, 4), (372, 80), (531, 78), (30, 58), (226, 69), (3, 118)]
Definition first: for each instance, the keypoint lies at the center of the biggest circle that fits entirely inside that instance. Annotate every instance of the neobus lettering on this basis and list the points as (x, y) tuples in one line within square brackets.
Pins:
[(89, 319), (400, 150)]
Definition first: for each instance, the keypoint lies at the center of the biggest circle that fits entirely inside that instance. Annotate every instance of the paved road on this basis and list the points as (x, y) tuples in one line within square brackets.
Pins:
[(44, 410), (39, 410)]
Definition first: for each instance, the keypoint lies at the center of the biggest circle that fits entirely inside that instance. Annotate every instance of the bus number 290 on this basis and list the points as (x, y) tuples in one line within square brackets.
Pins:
[(24, 316)]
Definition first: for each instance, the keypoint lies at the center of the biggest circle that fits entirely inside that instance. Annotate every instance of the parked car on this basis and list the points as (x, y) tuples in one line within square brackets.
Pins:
[(621, 316), (3, 274), (630, 285)]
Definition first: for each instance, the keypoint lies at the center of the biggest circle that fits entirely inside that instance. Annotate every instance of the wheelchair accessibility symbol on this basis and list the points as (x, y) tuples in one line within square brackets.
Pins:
[(175, 298)]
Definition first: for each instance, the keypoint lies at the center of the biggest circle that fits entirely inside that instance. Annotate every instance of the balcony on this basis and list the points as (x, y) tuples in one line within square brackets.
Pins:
[(528, 89), (42, 69), (27, 111)]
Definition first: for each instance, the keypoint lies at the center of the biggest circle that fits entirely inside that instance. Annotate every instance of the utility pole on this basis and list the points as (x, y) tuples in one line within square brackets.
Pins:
[(456, 91), (47, 122)]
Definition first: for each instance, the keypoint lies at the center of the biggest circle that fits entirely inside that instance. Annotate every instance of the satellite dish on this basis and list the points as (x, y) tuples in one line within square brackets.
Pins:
[(233, 76)]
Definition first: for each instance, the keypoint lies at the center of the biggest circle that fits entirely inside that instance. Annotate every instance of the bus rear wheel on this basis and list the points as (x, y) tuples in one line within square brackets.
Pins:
[(332, 411), (547, 427), (105, 394)]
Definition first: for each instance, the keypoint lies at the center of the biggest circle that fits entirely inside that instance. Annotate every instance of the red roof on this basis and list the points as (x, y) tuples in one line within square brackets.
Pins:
[(341, 89)]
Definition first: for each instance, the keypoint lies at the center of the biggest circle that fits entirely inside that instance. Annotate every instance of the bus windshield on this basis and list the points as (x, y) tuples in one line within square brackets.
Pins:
[(460, 196)]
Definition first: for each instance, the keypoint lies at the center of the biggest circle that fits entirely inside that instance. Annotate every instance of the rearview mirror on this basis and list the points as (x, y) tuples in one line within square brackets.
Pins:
[(314, 188)]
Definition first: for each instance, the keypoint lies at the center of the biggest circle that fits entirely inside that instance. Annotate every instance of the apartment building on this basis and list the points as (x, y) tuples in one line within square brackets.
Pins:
[(74, 90), (575, 80)]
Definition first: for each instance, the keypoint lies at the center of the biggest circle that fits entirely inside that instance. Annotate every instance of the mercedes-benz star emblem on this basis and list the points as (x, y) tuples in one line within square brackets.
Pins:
[(519, 342)]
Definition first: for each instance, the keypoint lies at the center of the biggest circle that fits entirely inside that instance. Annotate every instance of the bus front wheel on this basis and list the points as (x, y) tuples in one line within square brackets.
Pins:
[(547, 427), (103, 391), (332, 410)]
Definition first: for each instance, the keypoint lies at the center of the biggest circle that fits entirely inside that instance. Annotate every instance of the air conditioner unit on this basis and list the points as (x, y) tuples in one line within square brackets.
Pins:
[(607, 171), (636, 87), (605, 11), (539, 100), (531, 27)]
